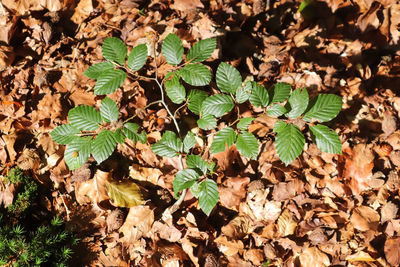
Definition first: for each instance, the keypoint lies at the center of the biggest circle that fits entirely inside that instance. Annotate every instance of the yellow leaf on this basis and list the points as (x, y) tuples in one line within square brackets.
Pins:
[(286, 224), (124, 194)]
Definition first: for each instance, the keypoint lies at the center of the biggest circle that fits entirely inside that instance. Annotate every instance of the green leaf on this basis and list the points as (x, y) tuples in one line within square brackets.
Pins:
[(103, 145), (247, 145), (196, 98), (109, 82), (259, 95), (202, 50), (289, 143), (326, 139), (279, 125), (184, 179), (217, 105), (228, 78), (131, 131), (196, 74), (119, 136), (172, 49), (175, 90), (168, 146), (207, 122), (188, 142), (195, 189), (196, 162), (85, 118), (281, 92), (138, 57), (276, 110), (223, 140), (96, 70), (324, 107), (243, 93), (209, 196), (124, 194), (298, 102), (77, 152), (244, 123), (114, 49), (109, 110), (64, 134)]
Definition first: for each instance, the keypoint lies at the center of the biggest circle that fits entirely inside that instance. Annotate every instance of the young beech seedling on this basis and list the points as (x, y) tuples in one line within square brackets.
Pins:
[(97, 133)]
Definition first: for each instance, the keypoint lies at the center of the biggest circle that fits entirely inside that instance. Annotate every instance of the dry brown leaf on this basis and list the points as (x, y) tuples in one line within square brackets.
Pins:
[(369, 21), (82, 11), (138, 223), (255, 256), (7, 194), (169, 233), (233, 191), (86, 192), (229, 247), (360, 256), (10, 139), (389, 123), (365, 218), (7, 56), (392, 251), (188, 247), (388, 212), (140, 173), (237, 228), (286, 223), (314, 257)]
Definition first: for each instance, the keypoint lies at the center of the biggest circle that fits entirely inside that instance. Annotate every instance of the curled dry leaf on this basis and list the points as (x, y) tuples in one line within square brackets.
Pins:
[(365, 218), (233, 191), (169, 233), (144, 174), (286, 223), (237, 228), (255, 256), (82, 11), (314, 257), (137, 224)]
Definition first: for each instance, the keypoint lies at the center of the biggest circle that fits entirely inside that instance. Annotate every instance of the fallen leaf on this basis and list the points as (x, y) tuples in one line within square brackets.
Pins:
[(286, 223), (233, 191), (138, 223), (255, 256), (365, 218), (228, 247), (360, 256), (124, 194), (312, 256), (167, 232), (388, 212), (82, 11), (140, 173), (237, 228)]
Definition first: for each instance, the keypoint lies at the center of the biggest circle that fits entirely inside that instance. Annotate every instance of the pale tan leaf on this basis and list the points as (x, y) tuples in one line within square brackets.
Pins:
[(137, 224), (365, 218), (140, 173), (360, 256), (392, 251), (124, 194), (314, 257), (228, 247), (286, 223)]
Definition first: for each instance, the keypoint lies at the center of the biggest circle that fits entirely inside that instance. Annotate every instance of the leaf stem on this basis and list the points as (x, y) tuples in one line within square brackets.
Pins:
[(148, 105)]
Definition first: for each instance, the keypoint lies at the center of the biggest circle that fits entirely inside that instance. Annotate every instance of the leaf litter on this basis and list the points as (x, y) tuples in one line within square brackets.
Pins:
[(321, 210)]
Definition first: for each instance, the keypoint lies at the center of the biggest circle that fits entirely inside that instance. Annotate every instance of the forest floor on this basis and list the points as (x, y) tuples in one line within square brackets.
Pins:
[(321, 210)]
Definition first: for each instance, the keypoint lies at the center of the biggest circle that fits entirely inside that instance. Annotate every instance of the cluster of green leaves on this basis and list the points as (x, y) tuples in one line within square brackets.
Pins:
[(94, 132), (49, 245), (26, 191)]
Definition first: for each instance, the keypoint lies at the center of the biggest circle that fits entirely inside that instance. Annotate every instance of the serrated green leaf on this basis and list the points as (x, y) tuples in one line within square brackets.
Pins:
[(276, 110), (202, 50), (223, 140), (217, 105), (109, 110), (196, 162), (114, 49), (96, 70), (77, 152), (196, 98), (298, 102), (195, 74), (64, 134), (247, 145), (85, 118), (279, 125), (131, 131), (109, 82), (168, 146), (195, 189), (184, 179), (244, 123), (103, 146), (324, 107), (124, 194), (172, 49), (243, 93), (281, 92), (289, 143), (188, 142), (327, 140), (207, 122), (209, 196), (228, 78), (119, 136), (175, 90), (138, 57), (259, 95)]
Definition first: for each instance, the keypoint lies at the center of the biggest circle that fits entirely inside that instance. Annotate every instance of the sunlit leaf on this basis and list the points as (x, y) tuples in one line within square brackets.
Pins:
[(202, 50), (197, 162), (175, 90), (276, 110), (109, 110), (114, 49), (77, 152), (281, 92), (247, 145), (124, 194), (109, 81), (189, 142), (172, 49), (324, 107), (138, 57), (298, 102), (85, 118), (168, 146), (228, 78), (195, 74), (207, 122), (217, 105), (184, 179), (103, 145), (289, 143), (208, 196), (223, 140), (96, 70), (326, 139), (196, 98), (64, 134), (244, 123), (131, 131), (259, 95)]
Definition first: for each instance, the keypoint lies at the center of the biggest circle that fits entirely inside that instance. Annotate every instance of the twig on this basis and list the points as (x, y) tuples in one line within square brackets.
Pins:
[(148, 105)]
